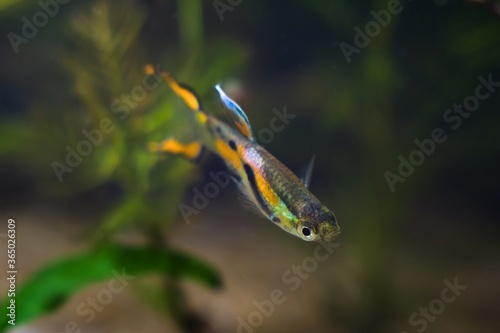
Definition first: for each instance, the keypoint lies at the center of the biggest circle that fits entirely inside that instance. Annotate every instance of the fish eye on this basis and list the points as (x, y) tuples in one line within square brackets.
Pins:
[(307, 231)]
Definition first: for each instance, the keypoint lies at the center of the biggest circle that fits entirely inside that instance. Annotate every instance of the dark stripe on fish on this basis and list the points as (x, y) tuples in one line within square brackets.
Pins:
[(260, 200)]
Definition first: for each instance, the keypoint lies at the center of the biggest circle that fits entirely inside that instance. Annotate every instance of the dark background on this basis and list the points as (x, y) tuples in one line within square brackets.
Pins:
[(356, 115)]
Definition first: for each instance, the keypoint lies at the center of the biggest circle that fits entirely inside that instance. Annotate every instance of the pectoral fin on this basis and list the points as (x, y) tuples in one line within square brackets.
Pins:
[(236, 114)]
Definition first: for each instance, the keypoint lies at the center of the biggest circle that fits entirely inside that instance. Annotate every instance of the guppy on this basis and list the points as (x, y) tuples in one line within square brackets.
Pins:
[(264, 181)]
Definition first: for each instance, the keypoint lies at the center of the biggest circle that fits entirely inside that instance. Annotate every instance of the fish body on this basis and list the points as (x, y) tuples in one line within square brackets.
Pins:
[(266, 183)]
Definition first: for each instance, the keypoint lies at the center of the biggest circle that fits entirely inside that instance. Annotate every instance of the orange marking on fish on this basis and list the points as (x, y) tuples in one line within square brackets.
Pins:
[(202, 118), (149, 69), (229, 155), (184, 93), (190, 150), (243, 129), (265, 189)]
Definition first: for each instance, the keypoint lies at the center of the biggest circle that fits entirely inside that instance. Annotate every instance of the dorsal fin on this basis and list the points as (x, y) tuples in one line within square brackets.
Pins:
[(236, 114), (306, 175)]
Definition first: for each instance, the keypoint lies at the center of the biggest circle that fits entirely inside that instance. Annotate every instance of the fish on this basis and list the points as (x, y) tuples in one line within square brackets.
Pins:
[(266, 184)]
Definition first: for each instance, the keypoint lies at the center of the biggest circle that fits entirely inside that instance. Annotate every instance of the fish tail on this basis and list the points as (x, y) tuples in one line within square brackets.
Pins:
[(192, 151), (186, 93)]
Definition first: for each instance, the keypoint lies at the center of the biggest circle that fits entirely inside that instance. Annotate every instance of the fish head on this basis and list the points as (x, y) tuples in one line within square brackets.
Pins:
[(319, 225)]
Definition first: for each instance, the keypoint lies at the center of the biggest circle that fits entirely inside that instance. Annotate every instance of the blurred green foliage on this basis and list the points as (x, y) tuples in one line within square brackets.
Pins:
[(93, 79)]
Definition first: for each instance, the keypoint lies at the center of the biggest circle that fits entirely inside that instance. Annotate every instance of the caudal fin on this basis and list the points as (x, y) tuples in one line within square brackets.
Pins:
[(193, 151), (185, 92)]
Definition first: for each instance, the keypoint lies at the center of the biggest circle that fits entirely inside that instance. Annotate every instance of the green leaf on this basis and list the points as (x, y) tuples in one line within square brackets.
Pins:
[(53, 285)]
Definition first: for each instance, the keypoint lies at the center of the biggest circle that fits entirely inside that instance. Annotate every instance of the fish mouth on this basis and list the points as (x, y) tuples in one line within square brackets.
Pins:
[(328, 232)]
